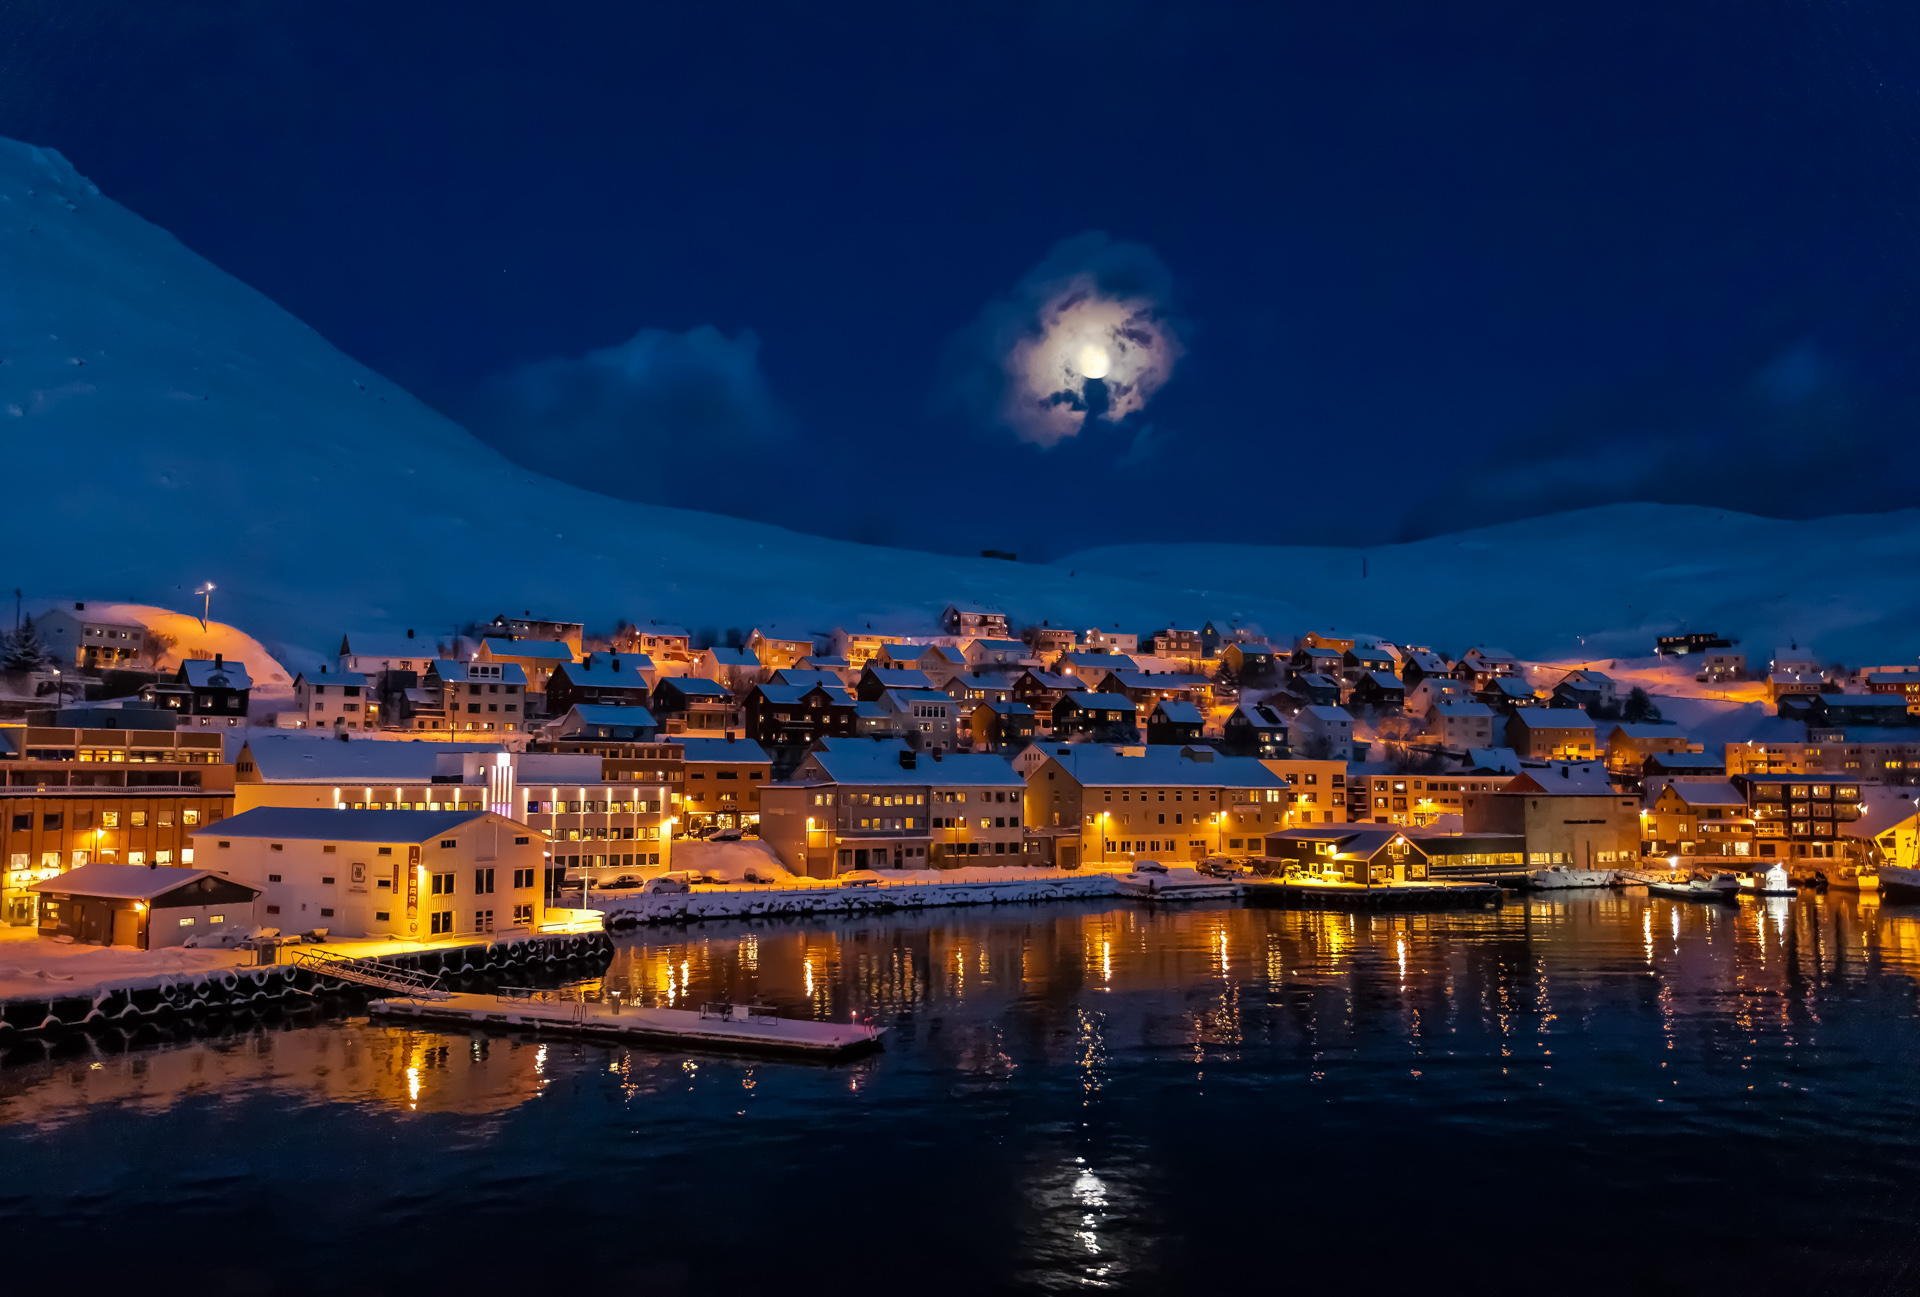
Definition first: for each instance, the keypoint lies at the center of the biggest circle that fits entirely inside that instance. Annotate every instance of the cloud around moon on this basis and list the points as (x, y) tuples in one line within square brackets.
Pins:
[(1085, 336)]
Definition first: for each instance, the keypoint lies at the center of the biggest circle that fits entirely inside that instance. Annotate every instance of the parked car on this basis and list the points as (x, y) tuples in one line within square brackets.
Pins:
[(677, 883), (763, 874), (624, 882), (1218, 867), (1148, 867), (860, 878), (725, 835)]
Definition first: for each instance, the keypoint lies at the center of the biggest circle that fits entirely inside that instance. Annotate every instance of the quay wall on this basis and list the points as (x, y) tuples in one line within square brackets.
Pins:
[(797, 902), (281, 987)]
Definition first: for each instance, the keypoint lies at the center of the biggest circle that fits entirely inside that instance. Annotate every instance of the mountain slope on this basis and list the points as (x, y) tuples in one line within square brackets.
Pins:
[(165, 424)]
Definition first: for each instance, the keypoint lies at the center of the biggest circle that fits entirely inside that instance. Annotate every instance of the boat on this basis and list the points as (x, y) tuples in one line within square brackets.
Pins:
[(1774, 882), (1562, 878), (1716, 887), (1899, 883), (1149, 880)]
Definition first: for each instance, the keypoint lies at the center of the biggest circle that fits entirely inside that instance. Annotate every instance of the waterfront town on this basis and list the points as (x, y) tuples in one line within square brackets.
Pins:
[(526, 770)]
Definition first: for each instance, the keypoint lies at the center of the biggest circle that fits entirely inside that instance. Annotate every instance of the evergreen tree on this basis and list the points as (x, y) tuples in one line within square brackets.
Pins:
[(22, 650), (1640, 708)]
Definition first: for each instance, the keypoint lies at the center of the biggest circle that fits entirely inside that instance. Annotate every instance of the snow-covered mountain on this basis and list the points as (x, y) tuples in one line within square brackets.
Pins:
[(164, 425)]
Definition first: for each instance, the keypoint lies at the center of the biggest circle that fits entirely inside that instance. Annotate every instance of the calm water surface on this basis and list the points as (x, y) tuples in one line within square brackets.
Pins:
[(1600, 1094)]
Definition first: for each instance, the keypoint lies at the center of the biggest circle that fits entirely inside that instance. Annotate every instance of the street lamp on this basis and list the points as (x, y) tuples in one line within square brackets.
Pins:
[(205, 591), (59, 689)]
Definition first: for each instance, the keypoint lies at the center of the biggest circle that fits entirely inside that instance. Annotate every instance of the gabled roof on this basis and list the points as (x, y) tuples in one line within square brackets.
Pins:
[(732, 657), (1177, 711), (1463, 711), (1513, 687), (1325, 715), (127, 882), (1684, 760), (1386, 680), (1706, 792), (204, 673), (600, 671), (899, 677), (877, 761), (1647, 730), (693, 687), (320, 678), (700, 748), (1360, 840), (1089, 702), (296, 757), (1007, 707), (905, 697), (1053, 680), (1131, 679), (1107, 661), (787, 695), (1316, 680), (533, 650), (1099, 765), (806, 676), (1001, 646), (1563, 779), (326, 824), (1261, 716), (1552, 718)]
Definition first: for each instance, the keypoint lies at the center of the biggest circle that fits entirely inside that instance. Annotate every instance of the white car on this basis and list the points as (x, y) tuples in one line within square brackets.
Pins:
[(762, 873), (1148, 867), (725, 835), (860, 878), (677, 883)]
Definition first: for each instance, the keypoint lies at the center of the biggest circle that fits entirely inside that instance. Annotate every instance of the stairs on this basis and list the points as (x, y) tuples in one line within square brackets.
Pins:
[(372, 973)]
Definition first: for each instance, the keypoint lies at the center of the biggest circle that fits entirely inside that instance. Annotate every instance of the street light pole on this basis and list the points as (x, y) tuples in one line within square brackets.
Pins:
[(205, 591)]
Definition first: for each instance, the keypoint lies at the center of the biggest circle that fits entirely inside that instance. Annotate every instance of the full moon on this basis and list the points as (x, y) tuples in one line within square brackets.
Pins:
[(1093, 361)]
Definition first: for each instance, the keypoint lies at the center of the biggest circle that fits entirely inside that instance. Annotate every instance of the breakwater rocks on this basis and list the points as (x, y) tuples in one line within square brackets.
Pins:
[(635, 909), (281, 988)]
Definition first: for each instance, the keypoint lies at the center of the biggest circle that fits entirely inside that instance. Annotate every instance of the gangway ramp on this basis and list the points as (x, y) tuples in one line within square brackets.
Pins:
[(374, 973)]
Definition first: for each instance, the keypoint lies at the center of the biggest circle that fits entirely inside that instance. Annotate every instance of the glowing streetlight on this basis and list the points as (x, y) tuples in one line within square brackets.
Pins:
[(205, 591)]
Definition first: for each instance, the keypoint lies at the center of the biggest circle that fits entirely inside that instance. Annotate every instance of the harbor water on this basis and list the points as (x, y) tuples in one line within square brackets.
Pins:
[(1571, 1094)]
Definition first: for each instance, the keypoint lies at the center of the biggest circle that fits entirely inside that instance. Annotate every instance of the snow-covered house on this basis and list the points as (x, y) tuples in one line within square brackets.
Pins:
[(470, 699), (1435, 689), (928, 718), (147, 908), (1480, 667), (334, 701), (983, 653), (381, 873), (683, 703), (536, 658), (783, 715), (1323, 732), (1460, 726), (773, 647), (734, 669), (603, 723), (1001, 726), (526, 626), (1040, 690), (205, 692), (876, 679), (1586, 688), (1380, 689), (1254, 660), (370, 653), (1174, 721), (1090, 668), (1255, 730), (1106, 718), (1418, 664), (969, 620), (1552, 734), (1122, 642), (616, 679), (661, 641), (1095, 803), (73, 637)]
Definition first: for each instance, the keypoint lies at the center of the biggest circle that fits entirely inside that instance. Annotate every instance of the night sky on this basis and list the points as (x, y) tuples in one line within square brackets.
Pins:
[(1403, 268)]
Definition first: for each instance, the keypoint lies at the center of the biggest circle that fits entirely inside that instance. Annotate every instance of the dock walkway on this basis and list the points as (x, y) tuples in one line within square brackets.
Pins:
[(724, 1028)]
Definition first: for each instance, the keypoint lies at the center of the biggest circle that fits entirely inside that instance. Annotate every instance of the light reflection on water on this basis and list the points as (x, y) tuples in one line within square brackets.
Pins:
[(1094, 1093)]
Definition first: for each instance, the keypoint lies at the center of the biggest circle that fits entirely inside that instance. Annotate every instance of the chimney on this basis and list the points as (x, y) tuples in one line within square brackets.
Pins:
[(1566, 772), (908, 759), (218, 661), (409, 632), (936, 754), (79, 605), (616, 665)]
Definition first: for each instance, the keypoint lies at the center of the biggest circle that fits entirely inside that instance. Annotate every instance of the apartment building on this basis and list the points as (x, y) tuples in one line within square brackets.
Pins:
[(1095, 804)]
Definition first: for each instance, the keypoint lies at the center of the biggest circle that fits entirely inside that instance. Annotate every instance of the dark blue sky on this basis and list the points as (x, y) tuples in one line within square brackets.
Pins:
[(1429, 265)]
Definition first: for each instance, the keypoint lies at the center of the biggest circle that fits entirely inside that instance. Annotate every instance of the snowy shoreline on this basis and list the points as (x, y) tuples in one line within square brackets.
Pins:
[(749, 902)]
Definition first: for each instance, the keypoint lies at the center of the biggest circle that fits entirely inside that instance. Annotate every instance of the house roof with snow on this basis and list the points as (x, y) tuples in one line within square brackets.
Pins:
[(899, 698), (1386, 680), (1053, 680), (731, 657), (1132, 679), (702, 748), (1706, 792), (531, 650), (205, 673), (1499, 761), (1321, 714), (296, 757), (1677, 762), (606, 671), (612, 715), (1644, 731), (1001, 646), (899, 677), (1007, 707), (788, 695), (1100, 765), (1316, 680), (1177, 711), (1563, 779), (326, 824), (320, 679), (1261, 716), (1103, 661), (1552, 718), (379, 644), (878, 761), (805, 677), (1463, 711), (127, 882), (692, 687), (1090, 702)]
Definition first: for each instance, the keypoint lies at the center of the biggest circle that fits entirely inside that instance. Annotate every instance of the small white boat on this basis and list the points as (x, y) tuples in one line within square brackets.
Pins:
[(1717, 887), (1774, 882), (1563, 878)]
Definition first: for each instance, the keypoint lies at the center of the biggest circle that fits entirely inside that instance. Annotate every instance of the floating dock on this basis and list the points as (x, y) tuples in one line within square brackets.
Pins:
[(1285, 894), (718, 1028)]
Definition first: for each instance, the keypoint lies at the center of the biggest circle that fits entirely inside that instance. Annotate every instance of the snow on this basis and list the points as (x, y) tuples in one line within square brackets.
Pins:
[(269, 679), (238, 440)]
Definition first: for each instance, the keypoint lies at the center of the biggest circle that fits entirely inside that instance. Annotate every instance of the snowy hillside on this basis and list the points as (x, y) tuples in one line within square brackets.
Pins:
[(187, 639), (166, 425)]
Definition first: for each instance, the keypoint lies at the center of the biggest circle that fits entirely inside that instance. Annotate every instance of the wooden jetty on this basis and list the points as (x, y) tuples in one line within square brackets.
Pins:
[(717, 1028), (1318, 895)]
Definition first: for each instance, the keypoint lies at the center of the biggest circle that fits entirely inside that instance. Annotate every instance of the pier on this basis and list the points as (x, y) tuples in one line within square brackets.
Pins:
[(718, 1028), (1301, 895)]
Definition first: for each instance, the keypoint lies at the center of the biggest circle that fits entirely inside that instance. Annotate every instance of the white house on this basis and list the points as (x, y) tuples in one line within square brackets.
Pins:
[(76, 639), (381, 873), (331, 701), (1323, 732)]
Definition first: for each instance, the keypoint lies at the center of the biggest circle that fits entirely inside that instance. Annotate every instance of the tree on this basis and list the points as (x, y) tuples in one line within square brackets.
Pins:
[(154, 647), (22, 650), (1639, 707)]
